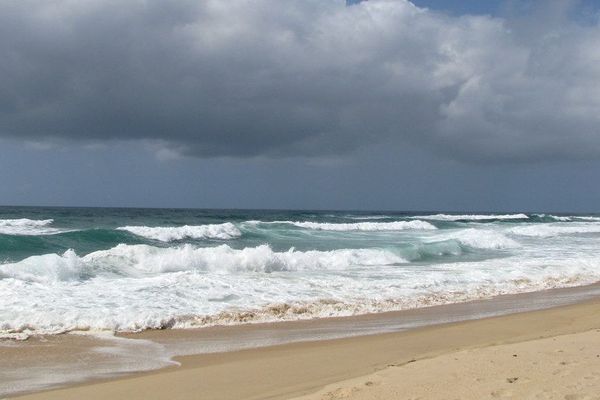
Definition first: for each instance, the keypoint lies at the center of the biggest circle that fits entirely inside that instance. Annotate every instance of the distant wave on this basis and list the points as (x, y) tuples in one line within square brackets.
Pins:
[(24, 226), (359, 226), (560, 218), (223, 231), (568, 218), (368, 217), (555, 229), (471, 217), (586, 218)]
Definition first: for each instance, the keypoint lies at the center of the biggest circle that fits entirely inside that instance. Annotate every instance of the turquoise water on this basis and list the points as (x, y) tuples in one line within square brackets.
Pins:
[(66, 269)]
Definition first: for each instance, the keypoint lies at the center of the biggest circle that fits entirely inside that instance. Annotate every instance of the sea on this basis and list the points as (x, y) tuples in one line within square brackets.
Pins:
[(132, 269)]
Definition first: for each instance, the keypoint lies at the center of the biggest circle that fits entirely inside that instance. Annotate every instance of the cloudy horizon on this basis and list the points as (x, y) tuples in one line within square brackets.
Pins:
[(380, 104)]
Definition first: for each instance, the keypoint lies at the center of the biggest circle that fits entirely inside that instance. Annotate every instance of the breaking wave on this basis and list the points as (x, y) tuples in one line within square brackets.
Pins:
[(194, 299), (24, 226), (471, 217), (327, 308), (82, 272), (368, 217), (143, 260), (481, 239), (223, 231), (560, 218), (586, 218), (360, 226), (555, 229)]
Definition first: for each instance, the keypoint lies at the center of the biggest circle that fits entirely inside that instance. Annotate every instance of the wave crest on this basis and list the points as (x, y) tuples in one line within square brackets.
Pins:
[(481, 239), (144, 260), (195, 298), (27, 227), (471, 217), (223, 231), (555, 229), (361, 226)]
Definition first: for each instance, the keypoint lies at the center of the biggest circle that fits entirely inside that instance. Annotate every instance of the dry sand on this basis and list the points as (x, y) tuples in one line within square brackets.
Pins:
[(548, 354), (563, 367)]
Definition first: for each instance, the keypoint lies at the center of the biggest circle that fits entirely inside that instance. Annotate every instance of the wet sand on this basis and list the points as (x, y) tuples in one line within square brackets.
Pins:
[(471, 359)]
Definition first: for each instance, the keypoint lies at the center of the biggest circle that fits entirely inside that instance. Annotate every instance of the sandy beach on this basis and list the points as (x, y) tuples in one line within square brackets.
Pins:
[(299, 200), (547, 354), (560, 367)]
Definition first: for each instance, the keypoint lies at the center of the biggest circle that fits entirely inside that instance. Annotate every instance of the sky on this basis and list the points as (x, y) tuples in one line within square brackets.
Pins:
[(302, 104)]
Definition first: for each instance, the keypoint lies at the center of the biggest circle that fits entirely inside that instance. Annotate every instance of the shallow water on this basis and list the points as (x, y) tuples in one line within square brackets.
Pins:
[(43, 362)]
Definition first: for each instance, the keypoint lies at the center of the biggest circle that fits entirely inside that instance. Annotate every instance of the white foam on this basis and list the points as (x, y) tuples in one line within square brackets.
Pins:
[(26, 227), (47, 268), (471, 217), (555, 217), (223, 231), (362, 226), (106, 356), (144, 260), (134, 287), (585, 218), (560, 218), (554, 229), (368, 217), (483, 239)]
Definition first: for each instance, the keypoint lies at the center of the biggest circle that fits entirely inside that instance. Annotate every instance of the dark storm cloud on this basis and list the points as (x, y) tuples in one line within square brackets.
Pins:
[(286, 78)]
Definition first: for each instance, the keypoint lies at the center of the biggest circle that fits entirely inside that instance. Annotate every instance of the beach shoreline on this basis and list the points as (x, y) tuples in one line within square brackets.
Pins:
[(278, 369)]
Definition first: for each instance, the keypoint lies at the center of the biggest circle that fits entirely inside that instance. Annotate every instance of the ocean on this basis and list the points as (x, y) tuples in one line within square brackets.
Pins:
[(127, 270)]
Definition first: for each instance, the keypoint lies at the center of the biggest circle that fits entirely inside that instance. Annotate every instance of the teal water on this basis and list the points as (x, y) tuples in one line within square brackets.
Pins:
[(89, 229), (64, 269)]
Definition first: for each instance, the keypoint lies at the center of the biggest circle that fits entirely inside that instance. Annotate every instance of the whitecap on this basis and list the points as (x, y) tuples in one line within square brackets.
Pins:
[(555, 217), (27, 227), (143, 260), (361, 226), (471, 217), (555, 229), (585, 218), (223, 231), (482, 239)]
